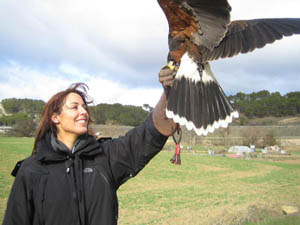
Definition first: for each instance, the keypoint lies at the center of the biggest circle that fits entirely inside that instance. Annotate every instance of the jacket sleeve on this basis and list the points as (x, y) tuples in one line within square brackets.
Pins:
[(19, 209), (130, 153)]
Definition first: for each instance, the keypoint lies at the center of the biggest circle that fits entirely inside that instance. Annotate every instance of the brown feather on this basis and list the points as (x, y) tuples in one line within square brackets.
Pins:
[(201, 31)]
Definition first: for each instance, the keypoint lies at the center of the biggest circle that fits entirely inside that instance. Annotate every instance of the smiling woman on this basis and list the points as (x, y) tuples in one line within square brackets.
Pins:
[(66, 114), (72, 178), (72, 121)]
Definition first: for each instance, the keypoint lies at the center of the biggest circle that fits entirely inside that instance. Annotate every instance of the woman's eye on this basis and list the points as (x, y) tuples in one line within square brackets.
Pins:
[(76, 107)]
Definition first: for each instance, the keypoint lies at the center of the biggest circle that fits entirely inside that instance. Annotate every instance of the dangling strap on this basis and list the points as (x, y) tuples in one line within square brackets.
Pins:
[(176, 158)]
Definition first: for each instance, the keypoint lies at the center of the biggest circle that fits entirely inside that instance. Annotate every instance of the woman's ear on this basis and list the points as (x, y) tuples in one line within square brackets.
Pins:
[(55, 118)]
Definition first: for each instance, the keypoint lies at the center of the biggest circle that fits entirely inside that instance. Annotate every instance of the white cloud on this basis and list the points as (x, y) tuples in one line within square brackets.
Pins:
[(252, 9), (110, 37), (119, 47), (26, 82)]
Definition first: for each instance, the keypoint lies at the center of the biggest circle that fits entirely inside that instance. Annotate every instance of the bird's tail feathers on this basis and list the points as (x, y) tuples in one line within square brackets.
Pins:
[(197, 101)]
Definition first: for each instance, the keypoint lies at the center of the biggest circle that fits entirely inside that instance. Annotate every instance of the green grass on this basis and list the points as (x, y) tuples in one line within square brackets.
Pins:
[(11, 151), (203, 185), (203, 190), (286, 220)]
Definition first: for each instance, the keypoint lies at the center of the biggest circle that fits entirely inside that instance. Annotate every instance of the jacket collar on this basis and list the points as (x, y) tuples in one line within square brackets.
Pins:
[(51, 149)]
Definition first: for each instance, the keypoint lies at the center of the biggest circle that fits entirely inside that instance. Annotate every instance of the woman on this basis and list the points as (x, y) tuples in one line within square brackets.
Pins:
[(71, 178)]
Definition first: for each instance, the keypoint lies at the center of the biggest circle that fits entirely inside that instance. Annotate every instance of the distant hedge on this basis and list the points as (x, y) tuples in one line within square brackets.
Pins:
[(14, 105), (119, 114), (255, 105), (11, 120), (22, 109), (264, 103)]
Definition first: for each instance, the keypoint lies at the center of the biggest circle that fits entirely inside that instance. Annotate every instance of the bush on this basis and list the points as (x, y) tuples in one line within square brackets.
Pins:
[(269, 139), (251, 137), (12, 119), (23, 128)]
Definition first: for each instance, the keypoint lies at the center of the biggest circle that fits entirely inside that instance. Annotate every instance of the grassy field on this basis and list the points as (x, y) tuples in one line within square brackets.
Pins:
[(203, 190), (11, 151)]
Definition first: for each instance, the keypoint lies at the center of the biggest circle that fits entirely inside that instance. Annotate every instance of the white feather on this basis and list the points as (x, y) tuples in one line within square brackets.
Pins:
[(201, 131), (189, 69)]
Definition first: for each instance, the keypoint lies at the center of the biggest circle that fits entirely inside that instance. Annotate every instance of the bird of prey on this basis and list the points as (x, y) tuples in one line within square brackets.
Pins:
[(201, 31)]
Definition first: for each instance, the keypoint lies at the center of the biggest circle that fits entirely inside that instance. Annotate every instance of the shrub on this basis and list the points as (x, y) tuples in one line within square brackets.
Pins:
[(269, 139), (251, 137), (23, 128)]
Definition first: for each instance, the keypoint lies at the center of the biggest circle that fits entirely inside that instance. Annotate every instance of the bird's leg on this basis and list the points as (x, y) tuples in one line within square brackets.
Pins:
[(200, 70)]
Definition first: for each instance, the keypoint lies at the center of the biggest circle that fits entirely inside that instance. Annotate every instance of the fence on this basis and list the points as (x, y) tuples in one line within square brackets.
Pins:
[(233, 135)]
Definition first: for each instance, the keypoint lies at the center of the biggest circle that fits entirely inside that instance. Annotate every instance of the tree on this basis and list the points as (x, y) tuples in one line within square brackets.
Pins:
[(14, 105), (269, 139), (118, 114), (293, 99), (262, 95), (251, 137), (23, 128), (12, 119), (264, 103), (147, 107)]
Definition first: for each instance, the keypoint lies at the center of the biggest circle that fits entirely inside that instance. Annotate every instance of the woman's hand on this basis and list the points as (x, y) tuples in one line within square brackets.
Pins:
[(166, 76), (164, 125)]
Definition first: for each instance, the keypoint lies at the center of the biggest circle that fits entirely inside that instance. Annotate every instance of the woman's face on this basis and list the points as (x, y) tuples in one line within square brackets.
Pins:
[(73, 119)]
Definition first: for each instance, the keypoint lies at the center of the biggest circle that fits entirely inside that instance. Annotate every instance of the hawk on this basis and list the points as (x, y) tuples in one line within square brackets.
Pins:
[(201, 31)]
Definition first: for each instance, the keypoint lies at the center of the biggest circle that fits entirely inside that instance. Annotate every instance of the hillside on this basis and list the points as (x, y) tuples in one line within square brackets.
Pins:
[(256, 109), (2, 111), (289, 121), (268, 121), (15, 110)]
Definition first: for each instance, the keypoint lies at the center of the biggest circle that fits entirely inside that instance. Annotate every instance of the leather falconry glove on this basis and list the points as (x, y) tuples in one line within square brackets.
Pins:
[(166, 78), (164, 125)]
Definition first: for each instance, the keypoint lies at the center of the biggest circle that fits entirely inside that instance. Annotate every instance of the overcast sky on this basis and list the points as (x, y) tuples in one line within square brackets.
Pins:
[(118, 47)]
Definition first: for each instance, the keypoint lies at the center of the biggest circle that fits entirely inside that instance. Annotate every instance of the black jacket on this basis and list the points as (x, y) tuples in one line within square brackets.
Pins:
[(58, 187)]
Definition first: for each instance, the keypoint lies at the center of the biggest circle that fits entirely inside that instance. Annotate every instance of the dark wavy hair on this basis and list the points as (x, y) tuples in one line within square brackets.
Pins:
[(54, 105)]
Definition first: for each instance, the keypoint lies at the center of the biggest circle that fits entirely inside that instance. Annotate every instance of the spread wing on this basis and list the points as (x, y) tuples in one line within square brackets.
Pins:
[(200, 31), (202, 22), (246, 35)]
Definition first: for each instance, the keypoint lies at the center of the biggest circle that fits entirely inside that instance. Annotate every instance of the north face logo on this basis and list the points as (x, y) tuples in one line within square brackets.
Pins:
[(88, 170)]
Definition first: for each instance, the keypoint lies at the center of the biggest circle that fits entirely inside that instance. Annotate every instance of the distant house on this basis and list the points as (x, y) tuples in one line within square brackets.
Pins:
[(4, 129)]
